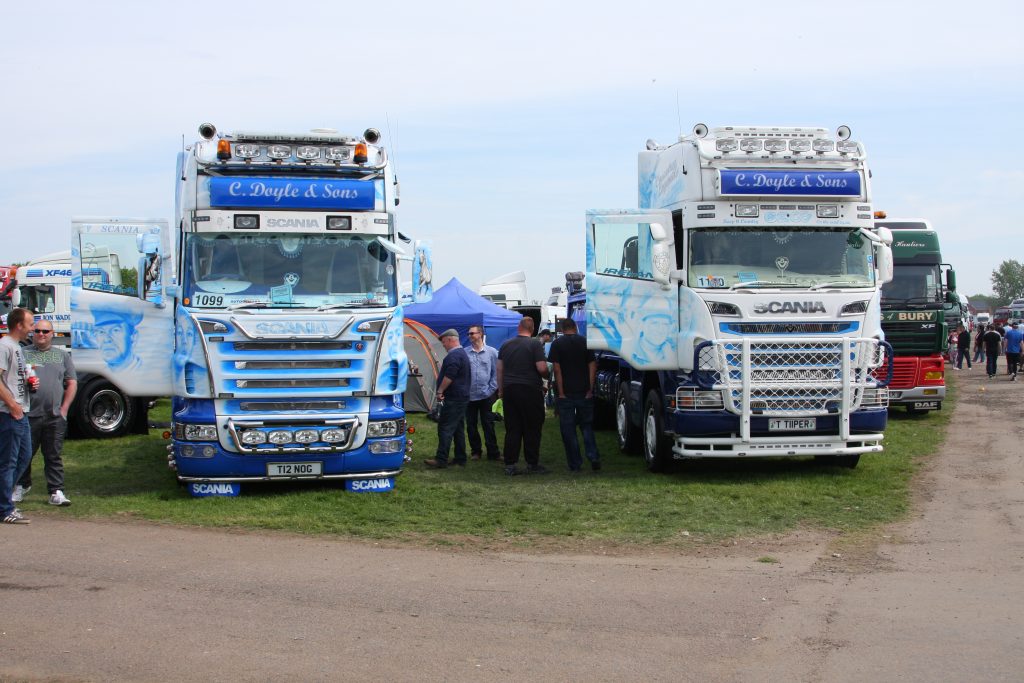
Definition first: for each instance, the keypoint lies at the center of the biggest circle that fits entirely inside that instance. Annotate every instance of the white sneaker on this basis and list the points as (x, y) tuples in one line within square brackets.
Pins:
[(18, 494), (58, 498)]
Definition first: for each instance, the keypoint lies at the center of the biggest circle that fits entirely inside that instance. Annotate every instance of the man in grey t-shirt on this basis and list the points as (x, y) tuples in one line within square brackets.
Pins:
[(49, 415), (15, 434)]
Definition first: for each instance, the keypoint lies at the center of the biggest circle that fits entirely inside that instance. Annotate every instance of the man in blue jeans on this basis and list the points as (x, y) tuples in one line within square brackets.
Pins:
[(1012, 346), (15, 432), (575, 371), (453, 391)]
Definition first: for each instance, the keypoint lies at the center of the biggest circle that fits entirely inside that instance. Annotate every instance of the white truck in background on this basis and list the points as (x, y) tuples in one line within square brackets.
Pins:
[(507, 291), (44, 285)]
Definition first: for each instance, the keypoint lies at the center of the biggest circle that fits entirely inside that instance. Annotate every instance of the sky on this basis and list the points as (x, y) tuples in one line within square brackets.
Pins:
[(507, 122)]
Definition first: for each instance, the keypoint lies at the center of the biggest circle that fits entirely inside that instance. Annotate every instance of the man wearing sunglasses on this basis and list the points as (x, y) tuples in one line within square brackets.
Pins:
[(48, 417)]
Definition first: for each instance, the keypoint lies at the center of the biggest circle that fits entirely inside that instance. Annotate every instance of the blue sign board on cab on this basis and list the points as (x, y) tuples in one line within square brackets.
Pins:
[(791, 183), (292, 193), (205, 489), (370, 485)]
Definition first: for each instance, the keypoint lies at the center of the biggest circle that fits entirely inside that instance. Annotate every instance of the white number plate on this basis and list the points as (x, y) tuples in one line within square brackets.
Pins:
[(294, 469), (802, 424)]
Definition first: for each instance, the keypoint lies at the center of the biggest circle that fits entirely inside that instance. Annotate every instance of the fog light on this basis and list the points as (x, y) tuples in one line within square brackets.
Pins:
[(306, 436), (388, 446), (339, 153), (188, 451), (253, 437), (333, 435), (279, 151), (279, 437), (209, 451), (246, 150)]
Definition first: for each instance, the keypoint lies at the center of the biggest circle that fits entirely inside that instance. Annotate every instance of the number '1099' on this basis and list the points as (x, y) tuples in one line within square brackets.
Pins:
[(209, 300)]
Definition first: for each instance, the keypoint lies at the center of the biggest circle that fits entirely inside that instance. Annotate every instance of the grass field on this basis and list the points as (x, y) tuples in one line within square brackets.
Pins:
[(622, 504)]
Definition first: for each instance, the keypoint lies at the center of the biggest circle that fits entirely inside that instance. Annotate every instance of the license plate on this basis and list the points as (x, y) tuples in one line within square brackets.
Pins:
[(895, 394), (294, 469), (801, 424)]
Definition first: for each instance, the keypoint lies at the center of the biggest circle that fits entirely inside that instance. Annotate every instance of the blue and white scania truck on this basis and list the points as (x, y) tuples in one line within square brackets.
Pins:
[(737, 311), (271, 312)]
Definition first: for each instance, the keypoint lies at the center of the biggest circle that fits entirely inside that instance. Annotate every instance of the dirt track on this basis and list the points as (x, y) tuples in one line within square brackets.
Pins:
[(940, 597)]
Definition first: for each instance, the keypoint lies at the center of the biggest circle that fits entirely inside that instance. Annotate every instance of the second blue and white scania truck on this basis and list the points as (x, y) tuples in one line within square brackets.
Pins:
[(737, 310)]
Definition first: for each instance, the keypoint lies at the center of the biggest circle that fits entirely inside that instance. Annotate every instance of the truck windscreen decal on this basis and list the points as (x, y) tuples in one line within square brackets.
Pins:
[(790, 183), (292, 193)]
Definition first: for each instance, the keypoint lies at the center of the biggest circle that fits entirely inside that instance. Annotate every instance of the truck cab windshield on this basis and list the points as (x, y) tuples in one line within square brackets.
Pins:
[(915, 285), (790, 257), (281, 270)]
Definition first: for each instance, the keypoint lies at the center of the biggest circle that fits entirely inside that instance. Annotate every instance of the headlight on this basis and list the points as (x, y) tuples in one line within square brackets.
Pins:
[(855, 308), (383, 428), (200, 432), (720, 308)]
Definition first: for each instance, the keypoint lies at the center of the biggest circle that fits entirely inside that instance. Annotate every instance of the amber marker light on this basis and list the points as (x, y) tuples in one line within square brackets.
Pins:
[(223, 150)]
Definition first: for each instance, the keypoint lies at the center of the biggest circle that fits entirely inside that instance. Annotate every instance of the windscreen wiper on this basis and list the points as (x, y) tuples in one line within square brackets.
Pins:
[(354, 304), (839, 283), (762, 283)]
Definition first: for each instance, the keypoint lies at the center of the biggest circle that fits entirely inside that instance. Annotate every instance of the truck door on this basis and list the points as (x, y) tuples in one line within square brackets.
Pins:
[(632, 306), (122, 320)]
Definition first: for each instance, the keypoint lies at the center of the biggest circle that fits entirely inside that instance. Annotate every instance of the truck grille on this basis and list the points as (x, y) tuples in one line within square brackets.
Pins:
[(790, 377)]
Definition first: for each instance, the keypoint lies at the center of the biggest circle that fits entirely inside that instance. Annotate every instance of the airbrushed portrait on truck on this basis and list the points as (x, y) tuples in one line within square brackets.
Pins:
[(270, 312), (736, 312)]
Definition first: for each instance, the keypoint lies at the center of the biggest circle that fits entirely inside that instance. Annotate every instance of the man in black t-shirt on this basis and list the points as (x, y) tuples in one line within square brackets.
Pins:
[(575, 370), (453, 381), (993, 342), (521, 367)]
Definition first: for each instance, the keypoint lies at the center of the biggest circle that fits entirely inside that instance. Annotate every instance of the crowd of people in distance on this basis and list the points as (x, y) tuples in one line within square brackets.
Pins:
[(989, 342), (473, 378)]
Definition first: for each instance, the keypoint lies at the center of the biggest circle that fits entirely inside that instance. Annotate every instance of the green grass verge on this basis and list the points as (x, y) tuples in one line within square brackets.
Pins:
[(623, 504)]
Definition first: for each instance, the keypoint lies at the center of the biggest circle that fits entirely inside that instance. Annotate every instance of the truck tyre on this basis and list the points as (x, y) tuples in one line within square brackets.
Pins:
[(102, 411), (656, 447), (627, 434)]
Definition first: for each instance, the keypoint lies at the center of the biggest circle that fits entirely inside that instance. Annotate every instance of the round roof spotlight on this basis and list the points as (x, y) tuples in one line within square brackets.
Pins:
[(651, 144), (371, 135), (207, 130), (843, 132), (700, 130)]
